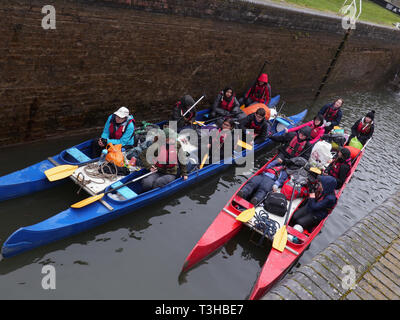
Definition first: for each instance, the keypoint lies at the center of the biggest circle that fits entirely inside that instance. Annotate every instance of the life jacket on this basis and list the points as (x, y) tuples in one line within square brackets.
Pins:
[(116, 132), (168, 157), (314, 130), (255, 126), (259, 93), (331, 113), (295, 147), (364, 129), (336, 165), (227, 105), (274, 170)]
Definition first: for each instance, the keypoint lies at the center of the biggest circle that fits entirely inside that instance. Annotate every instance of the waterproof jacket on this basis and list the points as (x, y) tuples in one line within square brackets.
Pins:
[(320, 131), (154, 148), (343, 172), (319, 207), (181, 107), (338, 118), (127, 138), (362, 137), (260, 128)]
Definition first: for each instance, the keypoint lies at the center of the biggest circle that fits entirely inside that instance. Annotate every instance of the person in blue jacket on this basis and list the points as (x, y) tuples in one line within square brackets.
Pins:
[(118, 129), (318, 204), (257, 187), (332, 114)]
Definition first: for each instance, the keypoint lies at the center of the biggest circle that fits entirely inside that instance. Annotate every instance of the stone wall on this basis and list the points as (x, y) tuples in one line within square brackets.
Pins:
[(146, 54)]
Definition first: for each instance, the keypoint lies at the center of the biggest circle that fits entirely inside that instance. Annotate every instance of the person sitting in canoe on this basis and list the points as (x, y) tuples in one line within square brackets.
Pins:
[(340, 167), (213, 139), (162, 160), (270, 179), (226, 105), (363, 128), (181, 107), (332, 114), (318, 204), (258, 123), (119, 129), (260, 92), (297, 144), (316, 125)]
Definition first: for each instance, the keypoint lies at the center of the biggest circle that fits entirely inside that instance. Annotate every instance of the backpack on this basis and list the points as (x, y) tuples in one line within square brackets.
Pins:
[(299, 192), (276, 203)]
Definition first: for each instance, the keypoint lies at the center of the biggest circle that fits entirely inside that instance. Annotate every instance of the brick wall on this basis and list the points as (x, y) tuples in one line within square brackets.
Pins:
[(146, 54)]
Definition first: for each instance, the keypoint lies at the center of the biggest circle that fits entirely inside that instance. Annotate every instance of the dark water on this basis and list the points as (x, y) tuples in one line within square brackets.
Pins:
[(140, 255)]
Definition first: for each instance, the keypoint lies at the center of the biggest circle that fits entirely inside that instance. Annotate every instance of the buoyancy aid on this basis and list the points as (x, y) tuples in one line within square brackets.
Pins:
[(336, 165), (274, 170), (189, 115), (227, 105), (255, 126), (117, 131), (295, 147), (168, 157), (364, 128), (259, 93), (331, 113), (314, 130)]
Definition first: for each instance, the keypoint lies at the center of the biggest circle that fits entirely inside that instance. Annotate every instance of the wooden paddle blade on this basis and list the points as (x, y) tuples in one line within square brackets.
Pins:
[(244, 145), (246, 215), (204, 161), (87, 201), (60, 172), (280, 239)]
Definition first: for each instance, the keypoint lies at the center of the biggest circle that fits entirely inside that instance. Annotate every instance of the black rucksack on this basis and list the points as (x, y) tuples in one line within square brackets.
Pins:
[(276, 203)]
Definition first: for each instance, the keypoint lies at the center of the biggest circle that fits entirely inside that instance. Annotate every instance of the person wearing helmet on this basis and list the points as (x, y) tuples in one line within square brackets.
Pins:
[(119, 129), (363, 128), (296, 145), (260, 92), (316, 125), (332, 114), (163, 160), (340, 167), (181, 107), (257, 122), (226, 105), (318, 205)]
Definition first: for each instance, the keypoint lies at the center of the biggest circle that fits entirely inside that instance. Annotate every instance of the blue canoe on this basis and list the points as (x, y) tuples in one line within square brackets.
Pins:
[(73, 221), (32, 178)]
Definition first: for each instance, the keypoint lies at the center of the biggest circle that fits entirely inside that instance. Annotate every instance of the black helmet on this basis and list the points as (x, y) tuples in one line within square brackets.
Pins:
[(306, 131), (345, 153)]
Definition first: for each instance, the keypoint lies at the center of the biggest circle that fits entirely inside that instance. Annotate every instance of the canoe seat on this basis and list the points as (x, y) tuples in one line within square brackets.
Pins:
[(126, 192), (78, 155)]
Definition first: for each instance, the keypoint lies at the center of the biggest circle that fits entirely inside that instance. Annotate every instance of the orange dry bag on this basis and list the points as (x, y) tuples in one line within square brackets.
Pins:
[(115, 155), (353, 151), (254, 107)]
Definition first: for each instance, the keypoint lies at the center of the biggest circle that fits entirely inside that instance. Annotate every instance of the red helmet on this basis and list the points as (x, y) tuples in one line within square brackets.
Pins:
[(263, 78)]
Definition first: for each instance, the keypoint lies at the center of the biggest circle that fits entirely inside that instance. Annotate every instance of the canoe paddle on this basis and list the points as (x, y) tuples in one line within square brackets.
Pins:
[(64, 171), (280, 237), (92, 199)]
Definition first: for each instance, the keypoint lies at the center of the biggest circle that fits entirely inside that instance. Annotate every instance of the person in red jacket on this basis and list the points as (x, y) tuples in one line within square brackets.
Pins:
[(316, 125), (259, 93)]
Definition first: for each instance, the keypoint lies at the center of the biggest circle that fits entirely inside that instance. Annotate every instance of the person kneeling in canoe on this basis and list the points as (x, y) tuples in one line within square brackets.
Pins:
[(257, 187), (182, 114), (297, 145), (226, 105), (316, 125), (258, 123), (318, 204), (340, 167), (163, 161), (363, 128), (259, 93), (119, 129)]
